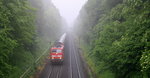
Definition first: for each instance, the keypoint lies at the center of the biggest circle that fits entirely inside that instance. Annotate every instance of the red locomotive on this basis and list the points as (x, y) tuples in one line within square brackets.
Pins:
[(57, 51)]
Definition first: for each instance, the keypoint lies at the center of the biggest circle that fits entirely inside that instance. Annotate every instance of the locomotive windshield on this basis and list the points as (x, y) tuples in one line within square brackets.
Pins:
[(56, 50)]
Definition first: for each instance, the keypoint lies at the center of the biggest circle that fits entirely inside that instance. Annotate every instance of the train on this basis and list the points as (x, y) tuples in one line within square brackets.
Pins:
[(57, 50)]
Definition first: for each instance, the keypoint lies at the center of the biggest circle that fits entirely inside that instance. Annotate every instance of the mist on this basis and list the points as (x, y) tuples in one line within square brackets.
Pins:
[(49, 23), (69, 9), (52, 15)]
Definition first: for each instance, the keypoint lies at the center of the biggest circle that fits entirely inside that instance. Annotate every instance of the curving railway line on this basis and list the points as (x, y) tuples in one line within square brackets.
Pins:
[(72, 66)]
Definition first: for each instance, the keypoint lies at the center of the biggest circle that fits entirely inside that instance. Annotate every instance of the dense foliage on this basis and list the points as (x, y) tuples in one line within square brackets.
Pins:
[(118, 34), (16, 35), (20, 35)]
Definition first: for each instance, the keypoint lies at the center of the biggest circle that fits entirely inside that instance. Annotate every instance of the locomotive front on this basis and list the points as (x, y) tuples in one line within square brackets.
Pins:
[(57, 51)]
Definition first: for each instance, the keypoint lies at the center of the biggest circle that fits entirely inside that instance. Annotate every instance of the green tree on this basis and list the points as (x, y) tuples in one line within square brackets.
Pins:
[(118, 37)]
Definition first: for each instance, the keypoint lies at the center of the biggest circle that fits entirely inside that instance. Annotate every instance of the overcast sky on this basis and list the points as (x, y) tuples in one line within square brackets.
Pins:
[(69, 9)]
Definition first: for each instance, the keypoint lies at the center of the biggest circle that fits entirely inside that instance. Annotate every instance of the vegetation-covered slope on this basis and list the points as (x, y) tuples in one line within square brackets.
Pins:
[(22, 29), (118, 34)]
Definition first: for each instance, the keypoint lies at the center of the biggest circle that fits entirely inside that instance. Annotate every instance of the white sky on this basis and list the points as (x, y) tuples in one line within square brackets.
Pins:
[(69, 9)]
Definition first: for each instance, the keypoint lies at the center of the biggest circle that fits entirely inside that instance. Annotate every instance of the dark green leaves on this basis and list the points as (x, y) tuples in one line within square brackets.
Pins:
[(120, 36)]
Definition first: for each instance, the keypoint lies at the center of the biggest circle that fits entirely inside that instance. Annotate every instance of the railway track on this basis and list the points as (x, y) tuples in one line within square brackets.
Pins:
[(70, 62), (74, 54), (51, 70), (55, 72), (72, 66)]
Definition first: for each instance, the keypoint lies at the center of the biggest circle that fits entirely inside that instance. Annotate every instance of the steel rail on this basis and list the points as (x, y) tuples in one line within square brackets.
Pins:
[(57, 71), (58, 75), (76, 60), (50, 72), (70, 60)]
